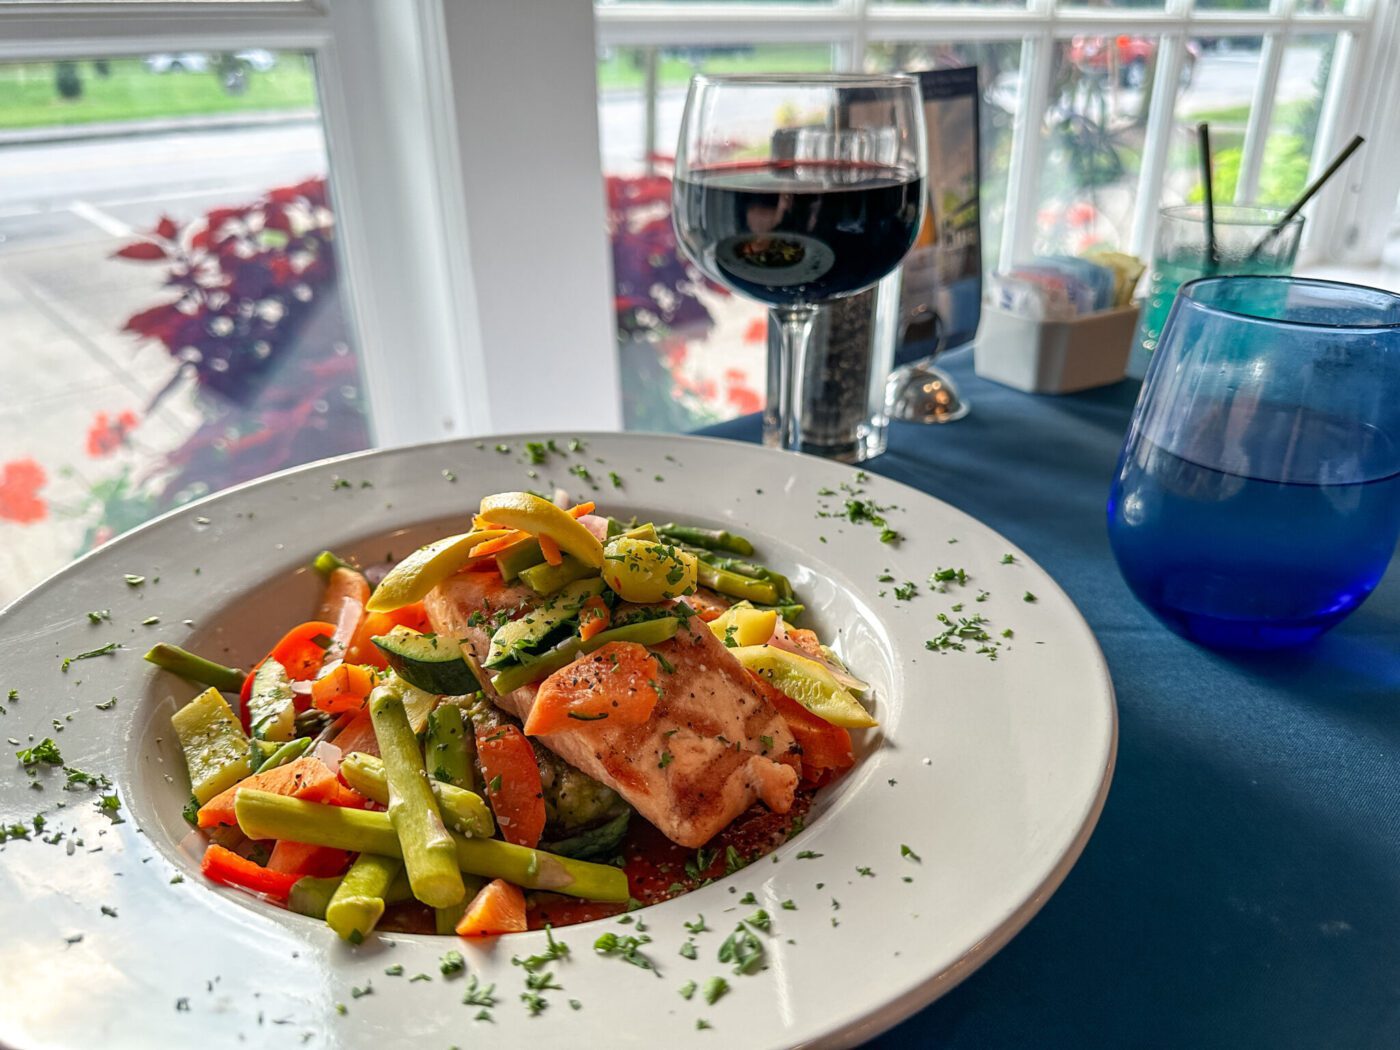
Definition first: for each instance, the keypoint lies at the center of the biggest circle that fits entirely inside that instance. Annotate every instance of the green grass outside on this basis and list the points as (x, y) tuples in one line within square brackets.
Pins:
[(29, 97), (623, 69)]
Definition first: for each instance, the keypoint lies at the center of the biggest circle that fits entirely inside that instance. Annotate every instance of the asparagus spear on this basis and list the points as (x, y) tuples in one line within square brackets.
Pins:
[(285, 753), (358, 902), (445, 920), (264, 815), (196, 668), (710, 539), (463, 811), (399, 890), (328, 561), (413, 809), (744, 568), (449, 751), (731, 583), (311, 895)]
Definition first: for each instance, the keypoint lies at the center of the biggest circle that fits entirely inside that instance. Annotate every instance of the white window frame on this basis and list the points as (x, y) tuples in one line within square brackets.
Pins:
[(1365, 71), (468, 197)]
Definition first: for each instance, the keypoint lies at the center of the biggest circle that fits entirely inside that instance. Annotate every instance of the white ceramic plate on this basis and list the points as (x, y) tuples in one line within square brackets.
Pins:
[(992, 771)]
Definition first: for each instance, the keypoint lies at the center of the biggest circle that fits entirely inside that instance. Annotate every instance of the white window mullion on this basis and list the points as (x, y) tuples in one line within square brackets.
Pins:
[(850, 55), (1261, 109), (1324, 232), (1028, 138), (1157, 136)]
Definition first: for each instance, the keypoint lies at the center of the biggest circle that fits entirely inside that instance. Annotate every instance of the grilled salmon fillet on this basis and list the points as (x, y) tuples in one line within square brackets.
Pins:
[(728, 745)]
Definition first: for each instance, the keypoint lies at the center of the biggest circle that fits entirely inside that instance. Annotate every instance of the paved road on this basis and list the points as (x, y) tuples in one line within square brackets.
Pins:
[(56, 192)]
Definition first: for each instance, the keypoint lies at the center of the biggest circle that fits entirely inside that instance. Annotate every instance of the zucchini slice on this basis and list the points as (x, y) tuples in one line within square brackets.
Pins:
[(527, 633), (432, 662)]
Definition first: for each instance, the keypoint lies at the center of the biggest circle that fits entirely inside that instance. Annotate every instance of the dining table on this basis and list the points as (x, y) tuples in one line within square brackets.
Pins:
[(1242, 887)]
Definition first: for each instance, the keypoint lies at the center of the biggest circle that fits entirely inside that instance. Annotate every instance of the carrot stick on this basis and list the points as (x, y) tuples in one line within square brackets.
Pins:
[(552, 554)]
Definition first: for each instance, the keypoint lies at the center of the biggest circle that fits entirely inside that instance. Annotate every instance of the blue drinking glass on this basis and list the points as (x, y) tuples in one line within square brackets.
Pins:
[(1257, 497)]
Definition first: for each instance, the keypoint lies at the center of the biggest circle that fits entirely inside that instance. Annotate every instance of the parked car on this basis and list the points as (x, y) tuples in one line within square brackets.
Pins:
[(255, 58), (1090, 54), (183, 62)]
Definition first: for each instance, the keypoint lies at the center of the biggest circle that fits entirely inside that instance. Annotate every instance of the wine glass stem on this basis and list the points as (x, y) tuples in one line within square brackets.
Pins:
[(782, 418)]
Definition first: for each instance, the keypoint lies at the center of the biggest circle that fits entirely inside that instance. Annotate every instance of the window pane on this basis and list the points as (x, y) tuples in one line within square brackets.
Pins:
[(999, 64), (690, 354), (1094, 128), (1220, 92), (1302, 85), (1232, 5), (168, 282)]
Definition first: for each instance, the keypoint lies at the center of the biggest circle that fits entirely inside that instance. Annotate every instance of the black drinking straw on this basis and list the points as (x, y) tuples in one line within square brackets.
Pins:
[(1212, 248), (1308, 195)]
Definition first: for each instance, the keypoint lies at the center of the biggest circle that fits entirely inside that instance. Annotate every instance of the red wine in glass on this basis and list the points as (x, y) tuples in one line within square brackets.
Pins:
[(788, 232)]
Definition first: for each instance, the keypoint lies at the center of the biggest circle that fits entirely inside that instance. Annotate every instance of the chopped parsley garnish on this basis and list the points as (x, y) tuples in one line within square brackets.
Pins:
[(626, 948), (715, 988), (494, 784), (1007, 559), (132, 580), (688, 950), (45, 751), (100, 615), (767, 742), (584, 717), (733, 860), (452, 963), (748, 898), (536, 452), (888, 535), (866, 872), (1030, 597), (666, 759), (701, 1024), (906, 590), (760, 920), (687, 990), (106, 705), (394, 971), (477, 995), (742, 949), (698, 926), (697, 865), (905, 851), (553, 950), (103, 650), (788, 906), (615, 478), (807, 854), (940, 578)]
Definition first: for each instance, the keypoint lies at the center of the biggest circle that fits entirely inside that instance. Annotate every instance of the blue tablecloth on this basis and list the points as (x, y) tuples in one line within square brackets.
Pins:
[(1243, 886)]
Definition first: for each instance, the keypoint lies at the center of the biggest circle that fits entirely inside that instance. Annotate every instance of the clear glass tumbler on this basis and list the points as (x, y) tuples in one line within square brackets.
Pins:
[(1257, 498), (1242, 246)]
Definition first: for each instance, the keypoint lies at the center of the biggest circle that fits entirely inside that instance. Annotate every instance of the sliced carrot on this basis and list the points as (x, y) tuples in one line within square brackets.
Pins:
[(578, 511), (363, 651), (500, 543), (343, 690), (826, 749), (498, 908), (592, 617), (223, 865), (343, 583), (300, 652), (357, 736), (348, 798), (617, 684), (807, 641), (299, 858), (306, 778), (552, 554), (513, 784)]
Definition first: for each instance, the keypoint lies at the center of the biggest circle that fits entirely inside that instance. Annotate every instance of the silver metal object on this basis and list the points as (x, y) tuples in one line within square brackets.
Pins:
[(920, 393)]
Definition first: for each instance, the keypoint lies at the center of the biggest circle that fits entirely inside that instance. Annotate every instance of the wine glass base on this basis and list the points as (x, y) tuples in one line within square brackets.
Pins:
[(920, 393)]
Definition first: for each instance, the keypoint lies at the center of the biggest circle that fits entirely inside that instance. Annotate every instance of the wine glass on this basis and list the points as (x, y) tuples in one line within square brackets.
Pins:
[(797, 189)]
